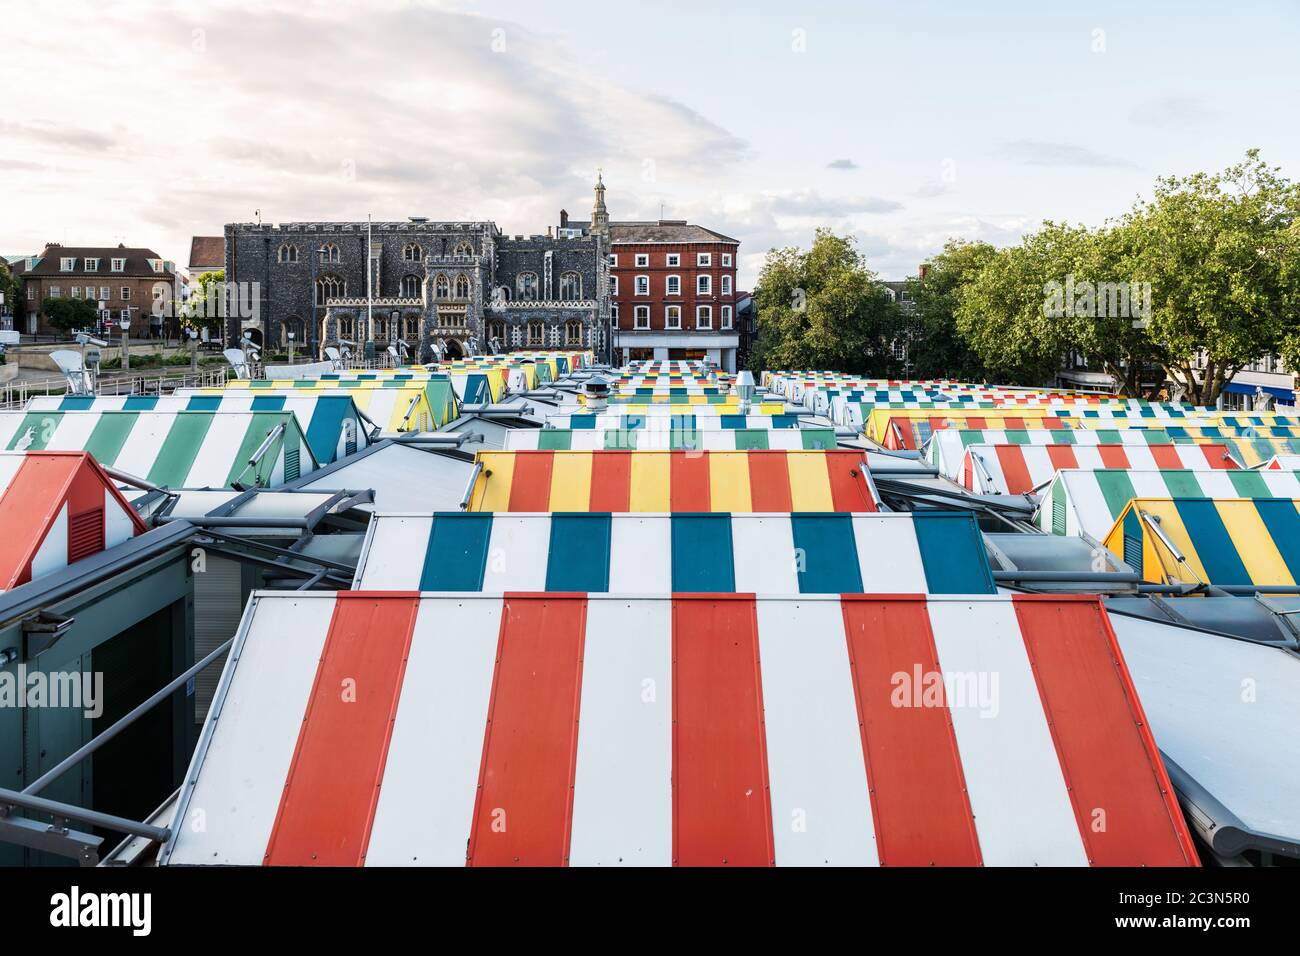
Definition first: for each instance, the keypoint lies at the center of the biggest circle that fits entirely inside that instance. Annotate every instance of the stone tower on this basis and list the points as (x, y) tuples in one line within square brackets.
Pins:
[(599, 214)]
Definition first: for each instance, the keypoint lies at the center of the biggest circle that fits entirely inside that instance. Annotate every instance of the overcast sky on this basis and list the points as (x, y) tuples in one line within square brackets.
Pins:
[(903, 123)]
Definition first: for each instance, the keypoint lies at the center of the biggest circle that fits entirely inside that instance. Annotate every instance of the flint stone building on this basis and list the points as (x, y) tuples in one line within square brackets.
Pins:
[(466, 283)]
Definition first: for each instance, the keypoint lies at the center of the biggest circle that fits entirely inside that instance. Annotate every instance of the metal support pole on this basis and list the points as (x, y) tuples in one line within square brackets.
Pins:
[(81, 753), (93, 817)]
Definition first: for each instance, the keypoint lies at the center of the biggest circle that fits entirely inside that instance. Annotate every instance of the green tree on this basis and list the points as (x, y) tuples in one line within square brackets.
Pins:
[(822, 308), (206, 306), (1220, 254), (69, 314), (937, 349), (10, 287), (1001, 310)]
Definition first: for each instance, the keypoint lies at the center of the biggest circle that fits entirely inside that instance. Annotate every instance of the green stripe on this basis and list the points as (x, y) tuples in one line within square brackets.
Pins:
[(42, 426), (262, 423), (1116, 489), (110, 434), (555, 439), (1182, 483), (815, 438), (180, 448), (1249, 484), (747, 438)]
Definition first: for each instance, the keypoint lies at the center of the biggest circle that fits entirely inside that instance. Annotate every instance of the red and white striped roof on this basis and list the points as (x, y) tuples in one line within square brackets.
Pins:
[(394, 728), (56, 507), (1019, 469)]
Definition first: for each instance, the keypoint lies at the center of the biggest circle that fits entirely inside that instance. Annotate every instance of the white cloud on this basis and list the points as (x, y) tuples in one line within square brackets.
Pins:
[(328, 110)]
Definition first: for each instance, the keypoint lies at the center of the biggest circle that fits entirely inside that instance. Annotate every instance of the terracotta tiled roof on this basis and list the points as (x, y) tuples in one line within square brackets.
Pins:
[(208, 251)]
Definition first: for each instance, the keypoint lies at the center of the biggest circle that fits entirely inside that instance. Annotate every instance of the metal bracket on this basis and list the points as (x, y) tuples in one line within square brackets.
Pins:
[(57, 838), (42, 630)]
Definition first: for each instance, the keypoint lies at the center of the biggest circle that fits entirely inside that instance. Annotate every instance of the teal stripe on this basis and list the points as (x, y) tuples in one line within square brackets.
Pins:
[(702, 553), (952, 553), (77, 403), (826, 554), (456, 556), (325, 430), (267, 403), (579, 552), (1211, 541), (207, 403), (140, 403), (1283, 522)]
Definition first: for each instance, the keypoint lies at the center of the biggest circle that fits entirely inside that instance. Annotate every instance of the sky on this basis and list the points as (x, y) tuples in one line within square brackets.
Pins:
[(903, 124)]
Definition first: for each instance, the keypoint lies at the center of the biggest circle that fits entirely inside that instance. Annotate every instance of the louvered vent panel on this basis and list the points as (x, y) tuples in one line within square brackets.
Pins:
[(85, 534)]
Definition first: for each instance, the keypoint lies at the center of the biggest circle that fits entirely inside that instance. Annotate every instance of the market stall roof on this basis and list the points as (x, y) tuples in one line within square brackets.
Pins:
[(745, 713), (403, 477), (662, 553), (396, 407), (1223, 714), (1088, 503), (330, 423), (176, 449), (710, 439), (594, 421), (56, 507), (1228, 542), (737, 481), (1019, 469)]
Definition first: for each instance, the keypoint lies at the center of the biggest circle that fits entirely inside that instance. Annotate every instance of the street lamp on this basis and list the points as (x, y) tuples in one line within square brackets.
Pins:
[(194, 348), (125, 323)]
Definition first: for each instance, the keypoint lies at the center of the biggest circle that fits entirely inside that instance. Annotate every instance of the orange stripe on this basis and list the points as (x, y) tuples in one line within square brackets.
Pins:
[(769, 482), (1165, 456), (689, 477), (523, 813), (611, 480), (1014, 469), (849, 490), (1217, 456), (919, 804), (722, 810), (1122, 797), (1052, 421), (530, 488), (1061, 456), (1113, 456), (328, 804)]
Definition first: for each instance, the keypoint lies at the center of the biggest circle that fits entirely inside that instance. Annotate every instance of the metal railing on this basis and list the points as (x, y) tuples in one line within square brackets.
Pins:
[(14, 395)]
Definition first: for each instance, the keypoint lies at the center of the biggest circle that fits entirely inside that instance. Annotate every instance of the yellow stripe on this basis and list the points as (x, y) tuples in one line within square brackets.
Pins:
[(810, 482), (571, 481), (492, 489), (1172, 525), (1254, 544), (729, 481), (649, 482)]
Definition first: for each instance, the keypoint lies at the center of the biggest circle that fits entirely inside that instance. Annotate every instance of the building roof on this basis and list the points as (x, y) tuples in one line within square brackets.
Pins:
[(1090, 502), (175, 449), (1013, 469), (56, 507), (1230, 542), (657, 481), (671, 553), (685, 439), (745, 713), (137, 262), (331, 423), (664, 230), (208, 251), (1232, 757)]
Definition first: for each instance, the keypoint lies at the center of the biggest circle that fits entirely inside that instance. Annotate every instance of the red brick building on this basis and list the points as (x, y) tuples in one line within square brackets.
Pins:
[(672, 288), (119, 279)]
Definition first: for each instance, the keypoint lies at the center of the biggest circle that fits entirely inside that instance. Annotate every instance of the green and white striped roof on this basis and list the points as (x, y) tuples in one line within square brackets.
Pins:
[(331, 423), (176, 449)]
